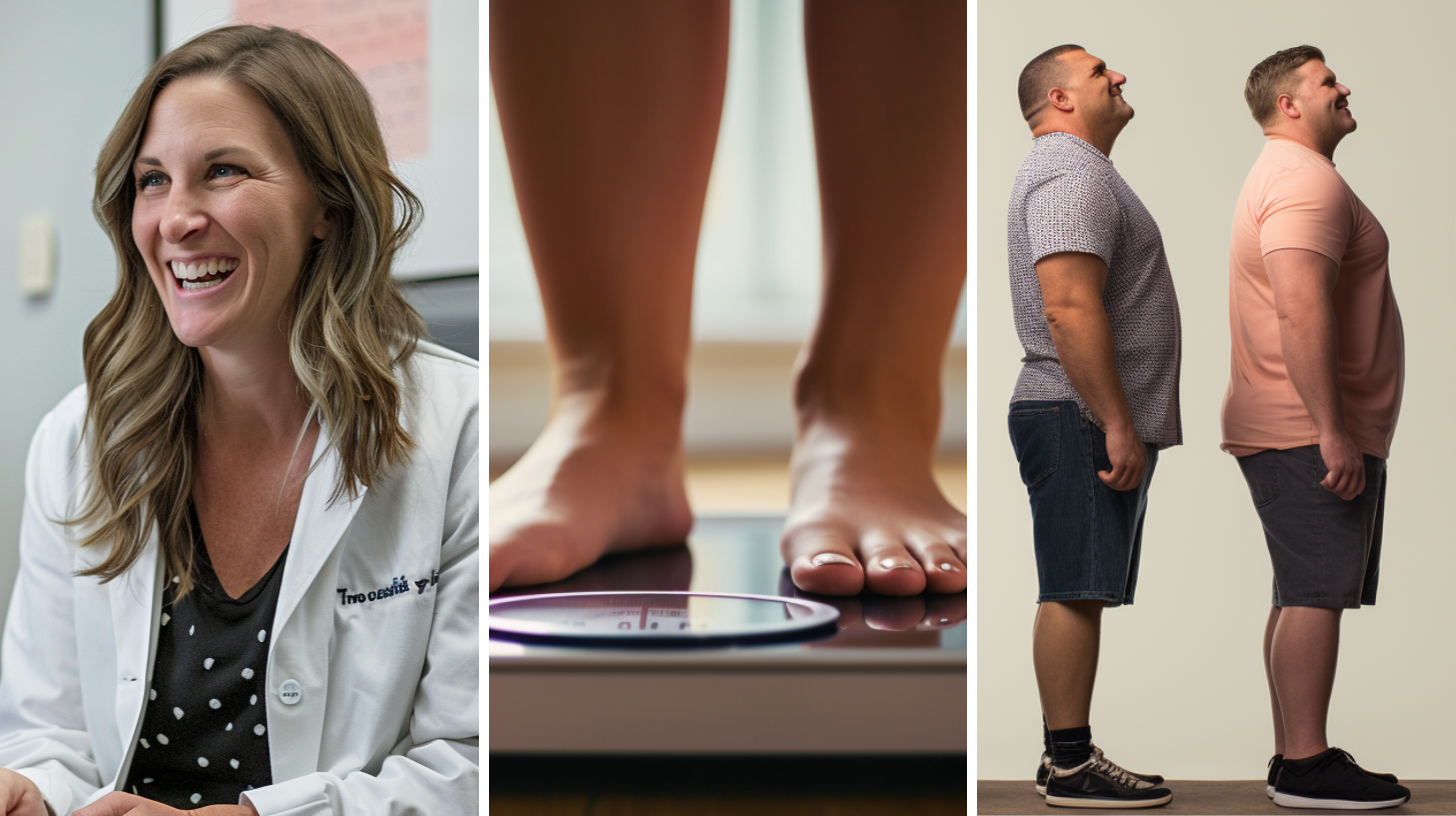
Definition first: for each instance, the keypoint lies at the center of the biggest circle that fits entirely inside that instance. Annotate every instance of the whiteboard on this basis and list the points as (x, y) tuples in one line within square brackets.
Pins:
[(436, 152)]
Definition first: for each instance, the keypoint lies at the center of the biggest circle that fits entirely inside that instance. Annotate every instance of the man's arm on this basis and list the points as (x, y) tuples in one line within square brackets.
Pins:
[(1071, 293), (1304, 285)]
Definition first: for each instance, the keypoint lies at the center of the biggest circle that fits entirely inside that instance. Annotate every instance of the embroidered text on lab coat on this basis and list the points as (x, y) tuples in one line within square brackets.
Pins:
[(398, 586)]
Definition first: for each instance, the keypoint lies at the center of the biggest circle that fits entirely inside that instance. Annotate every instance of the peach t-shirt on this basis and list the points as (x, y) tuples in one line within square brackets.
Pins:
[(1294, 199)]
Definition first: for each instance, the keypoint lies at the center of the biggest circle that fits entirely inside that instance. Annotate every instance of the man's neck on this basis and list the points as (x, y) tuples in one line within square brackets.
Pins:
[(1103, 142), (1303, 139)]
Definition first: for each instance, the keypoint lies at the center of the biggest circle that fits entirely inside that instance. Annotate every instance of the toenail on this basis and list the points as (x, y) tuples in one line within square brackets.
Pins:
[(831, 558), (889, 564), (947, 567)]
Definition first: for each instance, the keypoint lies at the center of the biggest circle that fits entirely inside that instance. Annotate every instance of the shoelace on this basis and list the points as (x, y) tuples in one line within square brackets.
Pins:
[(1116, 772), (1097, 752), (1345, 756)]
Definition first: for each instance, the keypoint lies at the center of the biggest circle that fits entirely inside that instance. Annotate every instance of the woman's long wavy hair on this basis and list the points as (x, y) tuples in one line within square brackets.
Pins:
[(351, 328)]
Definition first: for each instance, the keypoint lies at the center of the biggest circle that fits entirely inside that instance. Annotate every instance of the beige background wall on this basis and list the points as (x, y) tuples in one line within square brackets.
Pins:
[(1181, 689)]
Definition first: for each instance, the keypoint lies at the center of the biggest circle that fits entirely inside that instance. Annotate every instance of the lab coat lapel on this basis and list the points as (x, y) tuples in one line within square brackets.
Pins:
[(316, 530), (303, 623), (135, 598)]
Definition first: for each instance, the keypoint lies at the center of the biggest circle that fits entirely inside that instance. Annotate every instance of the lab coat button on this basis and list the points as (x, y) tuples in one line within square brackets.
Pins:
[(290, 692)]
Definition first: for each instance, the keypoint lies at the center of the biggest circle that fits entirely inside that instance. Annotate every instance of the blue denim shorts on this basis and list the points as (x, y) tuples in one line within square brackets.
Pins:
[(1087, 536), (1325, 550)]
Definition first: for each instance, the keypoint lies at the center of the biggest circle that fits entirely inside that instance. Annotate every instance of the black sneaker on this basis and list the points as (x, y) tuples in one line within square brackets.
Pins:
[(1332, 780), (1099, 783), (1143, 780), (1278, 759)]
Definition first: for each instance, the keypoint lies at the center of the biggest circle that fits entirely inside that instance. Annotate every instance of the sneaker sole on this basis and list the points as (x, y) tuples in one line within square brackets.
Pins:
[(1289, 800), (1041, 789), (1269, 791), (1127, 804)]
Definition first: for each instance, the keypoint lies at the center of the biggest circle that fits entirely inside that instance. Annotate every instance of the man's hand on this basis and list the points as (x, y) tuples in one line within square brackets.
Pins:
[(20, 795), (127, 804), (1346, 478), (1128, 457)]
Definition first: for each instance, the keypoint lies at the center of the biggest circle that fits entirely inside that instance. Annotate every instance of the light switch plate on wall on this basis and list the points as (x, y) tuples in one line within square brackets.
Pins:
[(37, 255)]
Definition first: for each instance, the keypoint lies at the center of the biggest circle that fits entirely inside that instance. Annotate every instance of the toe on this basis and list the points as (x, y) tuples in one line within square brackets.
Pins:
[(944, 570), (890, 569), (821, 560)]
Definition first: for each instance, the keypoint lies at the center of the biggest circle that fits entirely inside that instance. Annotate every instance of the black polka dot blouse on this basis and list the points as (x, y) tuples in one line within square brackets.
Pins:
[(204, 737)]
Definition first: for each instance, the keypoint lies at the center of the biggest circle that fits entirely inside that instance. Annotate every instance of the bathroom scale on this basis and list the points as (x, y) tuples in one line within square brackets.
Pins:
[(885, 676), (658, 619)]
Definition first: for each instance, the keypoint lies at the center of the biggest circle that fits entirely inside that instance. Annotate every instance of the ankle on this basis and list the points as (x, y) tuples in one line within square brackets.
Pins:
[(652, 406), (1071, 746), (882, 407)]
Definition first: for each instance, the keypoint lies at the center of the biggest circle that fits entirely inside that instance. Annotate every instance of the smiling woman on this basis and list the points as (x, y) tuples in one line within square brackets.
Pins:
[(223, 216), (251, 445)]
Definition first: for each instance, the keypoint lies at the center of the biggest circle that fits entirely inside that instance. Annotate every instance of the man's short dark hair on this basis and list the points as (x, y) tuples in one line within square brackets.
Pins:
[(1039, 76), (1275, 76)]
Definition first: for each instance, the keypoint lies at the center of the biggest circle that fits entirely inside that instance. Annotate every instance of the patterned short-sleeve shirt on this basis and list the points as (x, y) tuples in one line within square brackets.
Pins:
[(1069, 198)]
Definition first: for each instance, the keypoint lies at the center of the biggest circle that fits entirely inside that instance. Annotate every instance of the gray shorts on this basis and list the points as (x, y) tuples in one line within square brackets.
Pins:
[(1325, 550)]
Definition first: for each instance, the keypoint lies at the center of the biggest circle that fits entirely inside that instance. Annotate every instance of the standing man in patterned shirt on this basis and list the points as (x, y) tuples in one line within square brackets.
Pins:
[(1318, 367), (1096, 400)]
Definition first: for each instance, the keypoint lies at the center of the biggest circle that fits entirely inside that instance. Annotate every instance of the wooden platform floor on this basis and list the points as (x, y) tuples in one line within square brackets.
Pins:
[(1427, 797)]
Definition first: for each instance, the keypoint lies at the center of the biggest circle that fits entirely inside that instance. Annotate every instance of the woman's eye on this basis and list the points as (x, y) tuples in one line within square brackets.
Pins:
[(152, 179), (223, 171)]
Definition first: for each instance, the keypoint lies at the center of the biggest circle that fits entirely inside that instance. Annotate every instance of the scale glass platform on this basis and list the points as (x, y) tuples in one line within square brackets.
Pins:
[(885, 675)]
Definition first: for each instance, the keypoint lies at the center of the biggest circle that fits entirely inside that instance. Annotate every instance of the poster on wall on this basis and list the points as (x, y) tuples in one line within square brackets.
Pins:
[(386, 42), (419, 61)]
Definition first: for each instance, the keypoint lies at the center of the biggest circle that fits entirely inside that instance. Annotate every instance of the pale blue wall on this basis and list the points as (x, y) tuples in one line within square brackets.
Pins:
[(66, 69)]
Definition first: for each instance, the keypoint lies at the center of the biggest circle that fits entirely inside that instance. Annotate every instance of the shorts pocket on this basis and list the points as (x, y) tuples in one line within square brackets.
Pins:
[(1263, 478), (1036, 437)]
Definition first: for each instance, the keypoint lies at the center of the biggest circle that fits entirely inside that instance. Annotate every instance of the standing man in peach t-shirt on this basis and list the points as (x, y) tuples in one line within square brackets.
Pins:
[(1318, 367)]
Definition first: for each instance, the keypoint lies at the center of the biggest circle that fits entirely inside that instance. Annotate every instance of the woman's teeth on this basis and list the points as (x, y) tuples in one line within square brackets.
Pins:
[(203, 274)]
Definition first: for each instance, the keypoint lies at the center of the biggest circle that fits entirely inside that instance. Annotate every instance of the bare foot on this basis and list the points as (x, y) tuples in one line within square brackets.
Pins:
[(595, 481), (866, 514)]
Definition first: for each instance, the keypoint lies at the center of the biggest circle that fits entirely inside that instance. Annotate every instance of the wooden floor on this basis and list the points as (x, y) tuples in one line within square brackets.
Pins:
[(1427, 796)]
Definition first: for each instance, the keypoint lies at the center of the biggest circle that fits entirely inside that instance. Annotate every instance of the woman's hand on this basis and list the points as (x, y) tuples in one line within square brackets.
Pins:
[(128, 804), (20, 795)]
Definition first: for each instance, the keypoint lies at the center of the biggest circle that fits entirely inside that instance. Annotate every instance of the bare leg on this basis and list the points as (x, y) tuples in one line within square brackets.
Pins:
[(1302, 658), (1065, 642), (610, 115), (888, 85), (1269, 675)]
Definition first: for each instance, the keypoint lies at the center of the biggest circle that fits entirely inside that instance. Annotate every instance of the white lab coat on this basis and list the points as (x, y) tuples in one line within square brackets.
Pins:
[(388, 721)]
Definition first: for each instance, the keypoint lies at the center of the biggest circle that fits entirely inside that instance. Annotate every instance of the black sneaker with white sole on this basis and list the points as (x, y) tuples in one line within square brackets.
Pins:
[(1278, 760), (1331, 780), (1143, 780), (1099, 783)]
